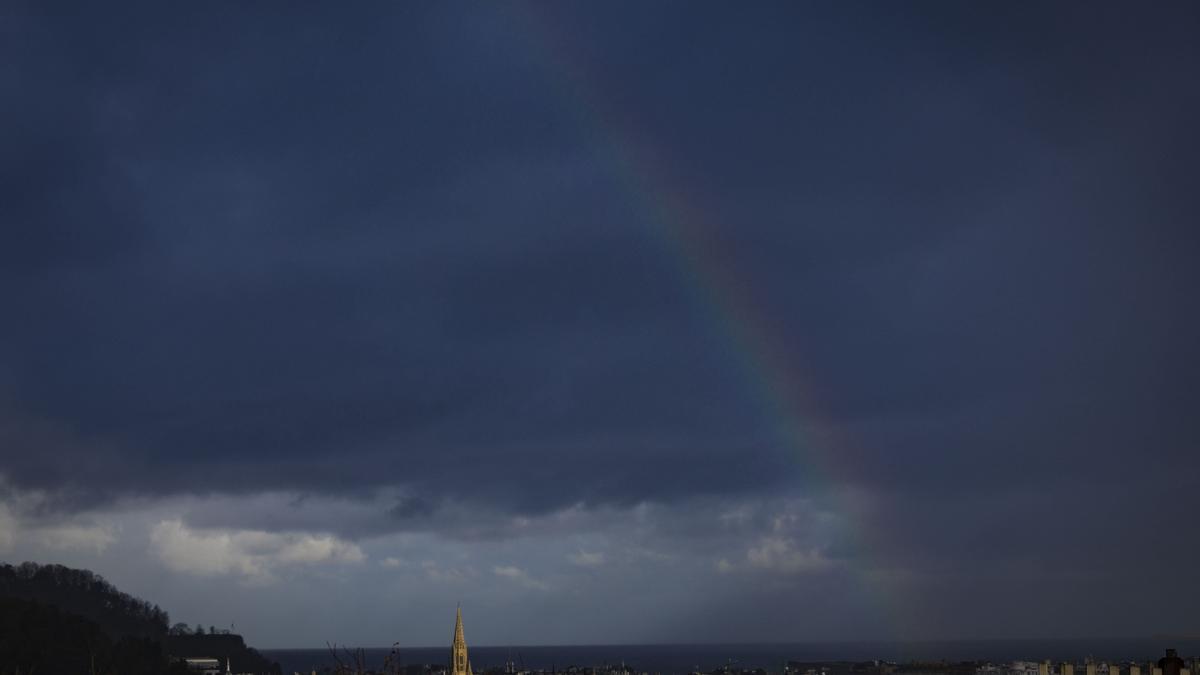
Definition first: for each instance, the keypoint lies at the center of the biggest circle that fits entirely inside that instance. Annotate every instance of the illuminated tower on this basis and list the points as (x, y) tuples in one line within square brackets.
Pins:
[(459, 665)]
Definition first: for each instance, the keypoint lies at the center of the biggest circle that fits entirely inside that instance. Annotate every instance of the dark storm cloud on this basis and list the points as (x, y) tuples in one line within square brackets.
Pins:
[(342, 252)]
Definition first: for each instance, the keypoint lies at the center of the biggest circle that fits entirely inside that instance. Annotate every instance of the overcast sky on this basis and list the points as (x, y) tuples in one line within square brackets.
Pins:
[(616, 322)]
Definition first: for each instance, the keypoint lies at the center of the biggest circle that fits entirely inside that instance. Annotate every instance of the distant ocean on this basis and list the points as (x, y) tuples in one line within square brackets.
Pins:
[(676, 659)]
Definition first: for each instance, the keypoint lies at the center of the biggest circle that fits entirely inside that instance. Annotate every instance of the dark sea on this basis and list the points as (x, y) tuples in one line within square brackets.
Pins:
[(677, 659)]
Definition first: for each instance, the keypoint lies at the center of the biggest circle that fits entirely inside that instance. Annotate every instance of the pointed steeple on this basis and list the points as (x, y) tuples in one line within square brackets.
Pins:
[(459, 665), (458, 630)]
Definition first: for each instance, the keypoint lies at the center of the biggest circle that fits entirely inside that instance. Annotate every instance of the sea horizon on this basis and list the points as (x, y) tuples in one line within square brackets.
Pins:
[(739, 643), (705, 657)]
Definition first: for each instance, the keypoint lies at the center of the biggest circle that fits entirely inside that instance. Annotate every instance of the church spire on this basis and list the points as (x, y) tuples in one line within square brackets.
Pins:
[(459, 665)]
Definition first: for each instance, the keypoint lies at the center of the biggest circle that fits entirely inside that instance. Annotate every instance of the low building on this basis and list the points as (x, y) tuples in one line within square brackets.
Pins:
[(205, 665)]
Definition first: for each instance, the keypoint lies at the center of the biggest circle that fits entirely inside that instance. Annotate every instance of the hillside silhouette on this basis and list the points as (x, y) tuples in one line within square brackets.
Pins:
[(221, 646), (39, 638), (56, 619), (85, 594)]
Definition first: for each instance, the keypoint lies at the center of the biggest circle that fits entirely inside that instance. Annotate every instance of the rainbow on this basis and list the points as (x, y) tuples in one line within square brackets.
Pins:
[(688, 235)]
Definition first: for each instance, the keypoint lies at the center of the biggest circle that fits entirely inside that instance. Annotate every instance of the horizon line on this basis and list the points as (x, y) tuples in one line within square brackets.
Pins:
[(775, 643)]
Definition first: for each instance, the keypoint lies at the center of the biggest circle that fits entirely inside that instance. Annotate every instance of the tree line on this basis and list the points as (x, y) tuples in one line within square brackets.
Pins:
[(56, 619), (86, 594)]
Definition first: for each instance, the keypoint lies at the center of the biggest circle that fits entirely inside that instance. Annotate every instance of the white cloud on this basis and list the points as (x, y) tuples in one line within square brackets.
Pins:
[(8, 529), (586, 559), (519, 576), (781, 554), (391, 563), (737, 516), (76, 538), (251, 554), (76, 534), (452, 575)]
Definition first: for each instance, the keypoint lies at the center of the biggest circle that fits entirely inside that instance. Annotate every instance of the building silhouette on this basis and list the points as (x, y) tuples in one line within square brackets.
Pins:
[(1171, 664), (459, 663)]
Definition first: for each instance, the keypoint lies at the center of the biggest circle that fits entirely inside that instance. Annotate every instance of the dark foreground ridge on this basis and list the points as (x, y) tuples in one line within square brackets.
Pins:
[(55, 619)]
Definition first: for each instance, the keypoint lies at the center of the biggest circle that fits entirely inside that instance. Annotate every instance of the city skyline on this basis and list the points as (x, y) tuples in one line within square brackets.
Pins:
[(616, 322)]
